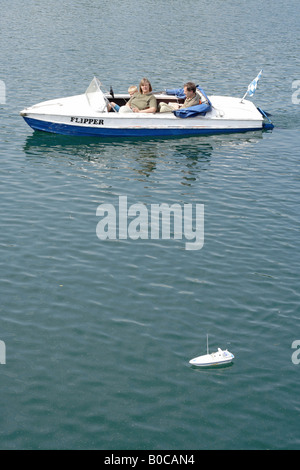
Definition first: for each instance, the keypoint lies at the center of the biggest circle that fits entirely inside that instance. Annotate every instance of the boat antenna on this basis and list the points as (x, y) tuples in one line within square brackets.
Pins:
[(207, 344)]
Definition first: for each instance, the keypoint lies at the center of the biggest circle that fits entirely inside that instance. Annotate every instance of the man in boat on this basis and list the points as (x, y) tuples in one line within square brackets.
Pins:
[(193, 98)]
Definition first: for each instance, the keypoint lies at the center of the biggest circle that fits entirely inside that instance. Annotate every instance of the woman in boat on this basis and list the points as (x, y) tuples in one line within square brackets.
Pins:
[(142, 102)]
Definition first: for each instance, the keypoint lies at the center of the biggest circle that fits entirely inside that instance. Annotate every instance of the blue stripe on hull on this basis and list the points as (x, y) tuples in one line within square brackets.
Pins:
[(66, 129)]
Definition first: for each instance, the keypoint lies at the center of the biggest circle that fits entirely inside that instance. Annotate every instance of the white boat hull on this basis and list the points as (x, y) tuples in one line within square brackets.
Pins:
[(213, 359), (77, 116)]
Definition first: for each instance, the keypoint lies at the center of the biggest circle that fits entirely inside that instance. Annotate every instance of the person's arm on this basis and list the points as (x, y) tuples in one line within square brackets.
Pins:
[(129, 102), (148, 110)]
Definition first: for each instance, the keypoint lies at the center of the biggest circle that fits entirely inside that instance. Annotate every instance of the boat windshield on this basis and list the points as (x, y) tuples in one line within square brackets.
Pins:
[(96, 97)]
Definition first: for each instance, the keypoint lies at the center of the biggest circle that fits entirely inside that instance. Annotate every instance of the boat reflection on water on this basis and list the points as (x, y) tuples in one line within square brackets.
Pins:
[(141, 157), (194, 148)]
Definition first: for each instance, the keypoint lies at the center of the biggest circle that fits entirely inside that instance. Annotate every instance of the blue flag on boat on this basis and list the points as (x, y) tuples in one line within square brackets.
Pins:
[(253, 85)]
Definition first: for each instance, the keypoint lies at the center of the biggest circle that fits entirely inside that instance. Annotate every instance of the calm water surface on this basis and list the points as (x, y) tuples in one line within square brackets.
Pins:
[(98, 334)]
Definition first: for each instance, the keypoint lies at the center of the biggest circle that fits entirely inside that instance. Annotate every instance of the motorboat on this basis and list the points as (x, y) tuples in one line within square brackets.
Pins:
[(90, 114), (213, 359)]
